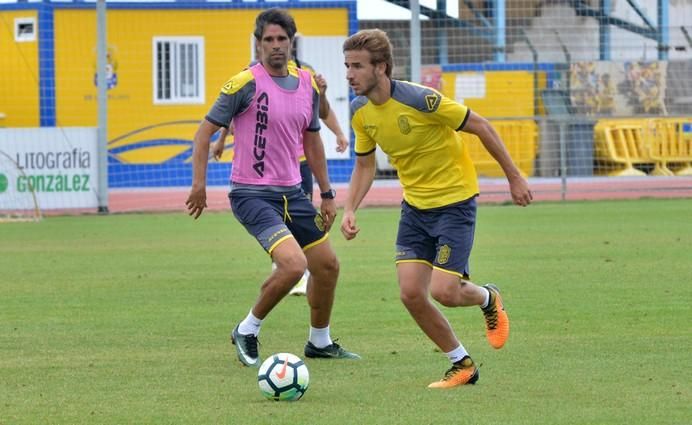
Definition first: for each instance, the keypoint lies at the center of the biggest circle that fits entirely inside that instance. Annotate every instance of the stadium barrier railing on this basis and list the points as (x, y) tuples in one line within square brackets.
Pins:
[(627, 147), (520, 138), (671, 145)]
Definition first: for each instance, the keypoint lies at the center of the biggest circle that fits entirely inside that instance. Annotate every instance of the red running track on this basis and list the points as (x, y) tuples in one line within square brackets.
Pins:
[(388, 192)]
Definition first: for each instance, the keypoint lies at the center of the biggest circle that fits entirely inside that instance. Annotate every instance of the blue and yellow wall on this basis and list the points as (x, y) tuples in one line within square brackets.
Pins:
[(51, 82), (19, 72)]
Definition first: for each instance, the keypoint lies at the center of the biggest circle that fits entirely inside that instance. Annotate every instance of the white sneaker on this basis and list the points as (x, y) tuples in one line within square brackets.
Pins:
[(301, 288)]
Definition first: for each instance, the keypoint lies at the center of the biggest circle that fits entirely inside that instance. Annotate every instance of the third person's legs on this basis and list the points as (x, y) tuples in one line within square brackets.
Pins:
[(324, 273)]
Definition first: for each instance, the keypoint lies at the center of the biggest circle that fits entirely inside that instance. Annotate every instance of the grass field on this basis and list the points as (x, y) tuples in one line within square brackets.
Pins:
[(124, 319)]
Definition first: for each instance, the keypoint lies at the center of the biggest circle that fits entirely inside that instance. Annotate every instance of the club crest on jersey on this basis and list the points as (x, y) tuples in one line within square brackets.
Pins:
[(432, 101), (404, 125), (319, 222), (443, 254)]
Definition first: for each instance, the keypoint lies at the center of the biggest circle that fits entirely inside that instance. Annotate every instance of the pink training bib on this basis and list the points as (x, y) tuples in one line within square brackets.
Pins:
[(269, 134)]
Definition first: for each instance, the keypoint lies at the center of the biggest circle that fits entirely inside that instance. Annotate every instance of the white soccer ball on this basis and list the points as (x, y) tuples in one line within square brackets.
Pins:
[(283, 377)]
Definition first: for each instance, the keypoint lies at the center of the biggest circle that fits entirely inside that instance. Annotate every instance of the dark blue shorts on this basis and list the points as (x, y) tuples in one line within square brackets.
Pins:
[(272, 217), (441, 237)]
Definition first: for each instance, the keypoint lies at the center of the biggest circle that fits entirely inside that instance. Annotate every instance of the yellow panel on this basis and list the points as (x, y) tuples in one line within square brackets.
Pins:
[(152, 154), (130, 38), (75, 67), (159, 131), (19, 76), (507, 93), (313, 22), (542, 84)]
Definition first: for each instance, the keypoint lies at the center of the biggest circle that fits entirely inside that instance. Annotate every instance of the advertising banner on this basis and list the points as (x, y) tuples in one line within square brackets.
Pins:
[(618, 88), (58, 164)]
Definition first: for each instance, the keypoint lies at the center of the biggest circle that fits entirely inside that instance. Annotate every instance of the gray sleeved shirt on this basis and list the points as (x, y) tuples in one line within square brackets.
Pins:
[(236, 96)]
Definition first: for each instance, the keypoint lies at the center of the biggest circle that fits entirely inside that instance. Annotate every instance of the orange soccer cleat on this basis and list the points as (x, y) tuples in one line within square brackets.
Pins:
[(496, 320), (462, 372)]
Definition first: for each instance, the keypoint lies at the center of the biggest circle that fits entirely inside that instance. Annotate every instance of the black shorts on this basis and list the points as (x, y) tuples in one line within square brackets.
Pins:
[(440, 237), (272, 217)]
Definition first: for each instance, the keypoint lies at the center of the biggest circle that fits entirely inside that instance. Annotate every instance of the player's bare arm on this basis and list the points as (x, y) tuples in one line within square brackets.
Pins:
[(329, 118), (314, 153), (325, 108), (333, 124), (197, 199), (218, 145), (518, 186), (361, 181)]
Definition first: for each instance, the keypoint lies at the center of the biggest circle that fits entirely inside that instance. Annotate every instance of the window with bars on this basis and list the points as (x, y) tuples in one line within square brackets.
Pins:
[(178, 70)]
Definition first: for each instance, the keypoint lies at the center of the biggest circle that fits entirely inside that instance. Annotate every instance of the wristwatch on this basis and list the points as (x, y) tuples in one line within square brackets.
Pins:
[(330, 194)]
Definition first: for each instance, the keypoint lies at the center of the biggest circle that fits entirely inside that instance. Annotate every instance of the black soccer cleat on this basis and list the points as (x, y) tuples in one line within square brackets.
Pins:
[(331, 351)]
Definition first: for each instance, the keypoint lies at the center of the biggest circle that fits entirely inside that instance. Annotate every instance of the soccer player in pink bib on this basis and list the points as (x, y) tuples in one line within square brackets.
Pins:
[(275, 110), (326, 114)]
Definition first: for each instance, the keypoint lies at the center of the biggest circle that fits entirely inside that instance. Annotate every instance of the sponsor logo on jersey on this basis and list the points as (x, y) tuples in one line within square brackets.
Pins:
[(402, 252), (431, 101), (261, 121), (370, 129)]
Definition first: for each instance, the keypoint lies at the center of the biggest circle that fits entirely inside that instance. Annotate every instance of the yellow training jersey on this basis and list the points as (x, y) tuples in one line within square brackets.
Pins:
[(292, 63), (417, 129)]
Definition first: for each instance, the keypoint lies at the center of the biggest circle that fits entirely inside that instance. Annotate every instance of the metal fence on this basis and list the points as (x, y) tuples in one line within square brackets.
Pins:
[(581, 91)]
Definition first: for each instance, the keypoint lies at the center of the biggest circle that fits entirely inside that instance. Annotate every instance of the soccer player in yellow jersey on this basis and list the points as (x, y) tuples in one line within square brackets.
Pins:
[(418, 128)]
